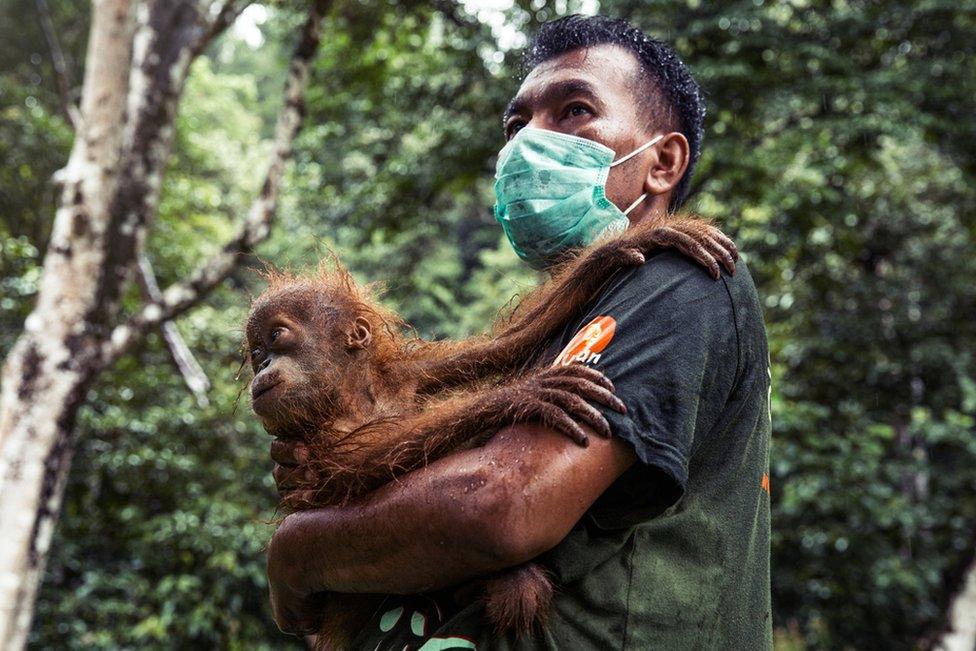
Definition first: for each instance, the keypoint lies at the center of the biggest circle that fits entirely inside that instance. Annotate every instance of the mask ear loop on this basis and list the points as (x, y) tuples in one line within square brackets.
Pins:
[(649, 143), (635, 204), (626, 158)]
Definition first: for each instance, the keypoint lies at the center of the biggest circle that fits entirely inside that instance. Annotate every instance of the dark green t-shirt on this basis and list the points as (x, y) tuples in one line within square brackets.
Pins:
[(675, 554)]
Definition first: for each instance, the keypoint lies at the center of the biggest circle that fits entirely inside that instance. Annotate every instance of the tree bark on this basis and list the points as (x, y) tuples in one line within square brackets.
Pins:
[(960, 634), (49, 368), (179, 297), (139, 54)]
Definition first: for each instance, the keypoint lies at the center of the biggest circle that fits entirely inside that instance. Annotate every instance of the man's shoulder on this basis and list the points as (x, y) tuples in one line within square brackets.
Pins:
[(670, 277), (673, 263), (674, 276)]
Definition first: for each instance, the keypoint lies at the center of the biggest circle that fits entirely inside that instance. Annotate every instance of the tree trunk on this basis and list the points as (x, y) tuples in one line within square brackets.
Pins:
[(960, 632), (48, 370), (139, 54)]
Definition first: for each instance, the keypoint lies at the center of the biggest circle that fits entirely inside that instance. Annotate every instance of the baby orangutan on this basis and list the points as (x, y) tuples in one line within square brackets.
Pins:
[(335, 369)]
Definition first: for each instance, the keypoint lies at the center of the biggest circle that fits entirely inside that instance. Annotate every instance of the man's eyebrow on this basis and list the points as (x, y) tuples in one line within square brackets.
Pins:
[(553, 93), (514, 107)]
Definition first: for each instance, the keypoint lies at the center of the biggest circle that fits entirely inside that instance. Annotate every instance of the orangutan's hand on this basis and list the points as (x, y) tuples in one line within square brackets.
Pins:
[(695, 238)]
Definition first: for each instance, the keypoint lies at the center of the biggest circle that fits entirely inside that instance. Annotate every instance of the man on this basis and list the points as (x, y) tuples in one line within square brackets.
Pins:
[(657, 537)]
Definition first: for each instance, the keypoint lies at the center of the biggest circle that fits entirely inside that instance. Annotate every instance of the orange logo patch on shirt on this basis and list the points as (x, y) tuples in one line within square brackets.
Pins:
[(764, 483), (589, 342)]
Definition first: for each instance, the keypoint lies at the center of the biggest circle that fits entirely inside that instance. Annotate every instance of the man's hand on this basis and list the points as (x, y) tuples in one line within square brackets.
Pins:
[(289, 455), (294, 610)]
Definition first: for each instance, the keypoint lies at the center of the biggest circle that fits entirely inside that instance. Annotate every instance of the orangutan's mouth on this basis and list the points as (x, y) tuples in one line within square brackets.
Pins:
[(260, 387)]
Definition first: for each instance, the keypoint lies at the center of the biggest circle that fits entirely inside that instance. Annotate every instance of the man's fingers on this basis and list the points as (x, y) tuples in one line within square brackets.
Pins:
[(287, 452), (298, 615), (297, 500), (290, 477)]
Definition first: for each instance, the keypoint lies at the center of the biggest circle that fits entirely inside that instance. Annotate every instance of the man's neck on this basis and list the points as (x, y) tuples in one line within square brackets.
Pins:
[(653, 208)]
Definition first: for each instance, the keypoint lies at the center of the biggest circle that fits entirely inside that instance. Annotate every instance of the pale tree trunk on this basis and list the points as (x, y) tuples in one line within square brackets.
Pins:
[(960, 633), (139, 53), (47, 370)]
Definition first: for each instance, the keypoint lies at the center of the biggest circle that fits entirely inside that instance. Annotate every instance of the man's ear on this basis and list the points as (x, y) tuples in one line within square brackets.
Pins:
[(672, 155), (360, 335)]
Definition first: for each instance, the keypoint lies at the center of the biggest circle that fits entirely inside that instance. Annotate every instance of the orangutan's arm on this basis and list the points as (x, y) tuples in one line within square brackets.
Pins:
[(574, 285), (468, 514)]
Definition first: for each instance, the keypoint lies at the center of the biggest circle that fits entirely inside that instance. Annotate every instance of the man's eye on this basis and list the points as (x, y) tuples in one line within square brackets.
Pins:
[(575, 110), (513, 128)]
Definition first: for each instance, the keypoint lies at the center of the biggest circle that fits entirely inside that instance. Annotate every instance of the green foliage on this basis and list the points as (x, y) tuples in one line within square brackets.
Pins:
[(159, 547), (838, 152)]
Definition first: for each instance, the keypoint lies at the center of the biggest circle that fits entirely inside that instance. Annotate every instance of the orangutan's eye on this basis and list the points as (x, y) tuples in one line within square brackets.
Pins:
[(277, 332), (256, 354)]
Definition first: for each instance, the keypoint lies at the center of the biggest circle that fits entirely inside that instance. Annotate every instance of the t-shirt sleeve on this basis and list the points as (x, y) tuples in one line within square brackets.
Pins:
[(665, 335)]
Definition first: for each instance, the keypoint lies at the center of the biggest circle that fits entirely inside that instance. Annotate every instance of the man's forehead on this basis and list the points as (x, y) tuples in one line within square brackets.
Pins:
[(607, 68)]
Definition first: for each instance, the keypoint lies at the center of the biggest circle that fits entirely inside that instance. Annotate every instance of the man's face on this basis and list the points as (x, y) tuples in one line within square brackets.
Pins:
[(589, 93)]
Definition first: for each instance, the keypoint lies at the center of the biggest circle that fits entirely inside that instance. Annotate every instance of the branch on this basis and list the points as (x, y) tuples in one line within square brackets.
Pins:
[(169, 35), (181, 296), (194, 377), (224, 13), (62, 73)]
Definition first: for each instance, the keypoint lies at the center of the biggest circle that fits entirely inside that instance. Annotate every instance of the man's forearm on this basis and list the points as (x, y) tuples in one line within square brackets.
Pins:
[(384, 544), (465, 515)]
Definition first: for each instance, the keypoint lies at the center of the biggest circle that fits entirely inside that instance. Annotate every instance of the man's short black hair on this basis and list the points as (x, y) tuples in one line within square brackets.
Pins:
[(673, 91)]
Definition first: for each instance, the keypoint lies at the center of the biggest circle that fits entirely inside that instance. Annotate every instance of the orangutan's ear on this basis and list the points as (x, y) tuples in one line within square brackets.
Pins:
[(360, 335)]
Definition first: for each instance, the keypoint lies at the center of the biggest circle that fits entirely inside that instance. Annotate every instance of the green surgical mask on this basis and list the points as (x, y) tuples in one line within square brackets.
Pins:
[(550, 193)]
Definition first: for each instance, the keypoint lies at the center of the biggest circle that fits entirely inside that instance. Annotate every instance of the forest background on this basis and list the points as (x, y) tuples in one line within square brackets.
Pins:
[(839, 154)]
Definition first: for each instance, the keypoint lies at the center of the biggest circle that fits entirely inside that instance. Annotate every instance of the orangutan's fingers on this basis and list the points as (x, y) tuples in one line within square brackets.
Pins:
[(691, 247), (725, 242), (578, 371), (597, 392), (589, 391), (722, 253), (557, 419), (631, 257), (579, 410)]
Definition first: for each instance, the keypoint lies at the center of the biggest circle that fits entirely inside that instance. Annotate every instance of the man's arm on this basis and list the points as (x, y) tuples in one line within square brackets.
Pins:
[(462, 516)]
